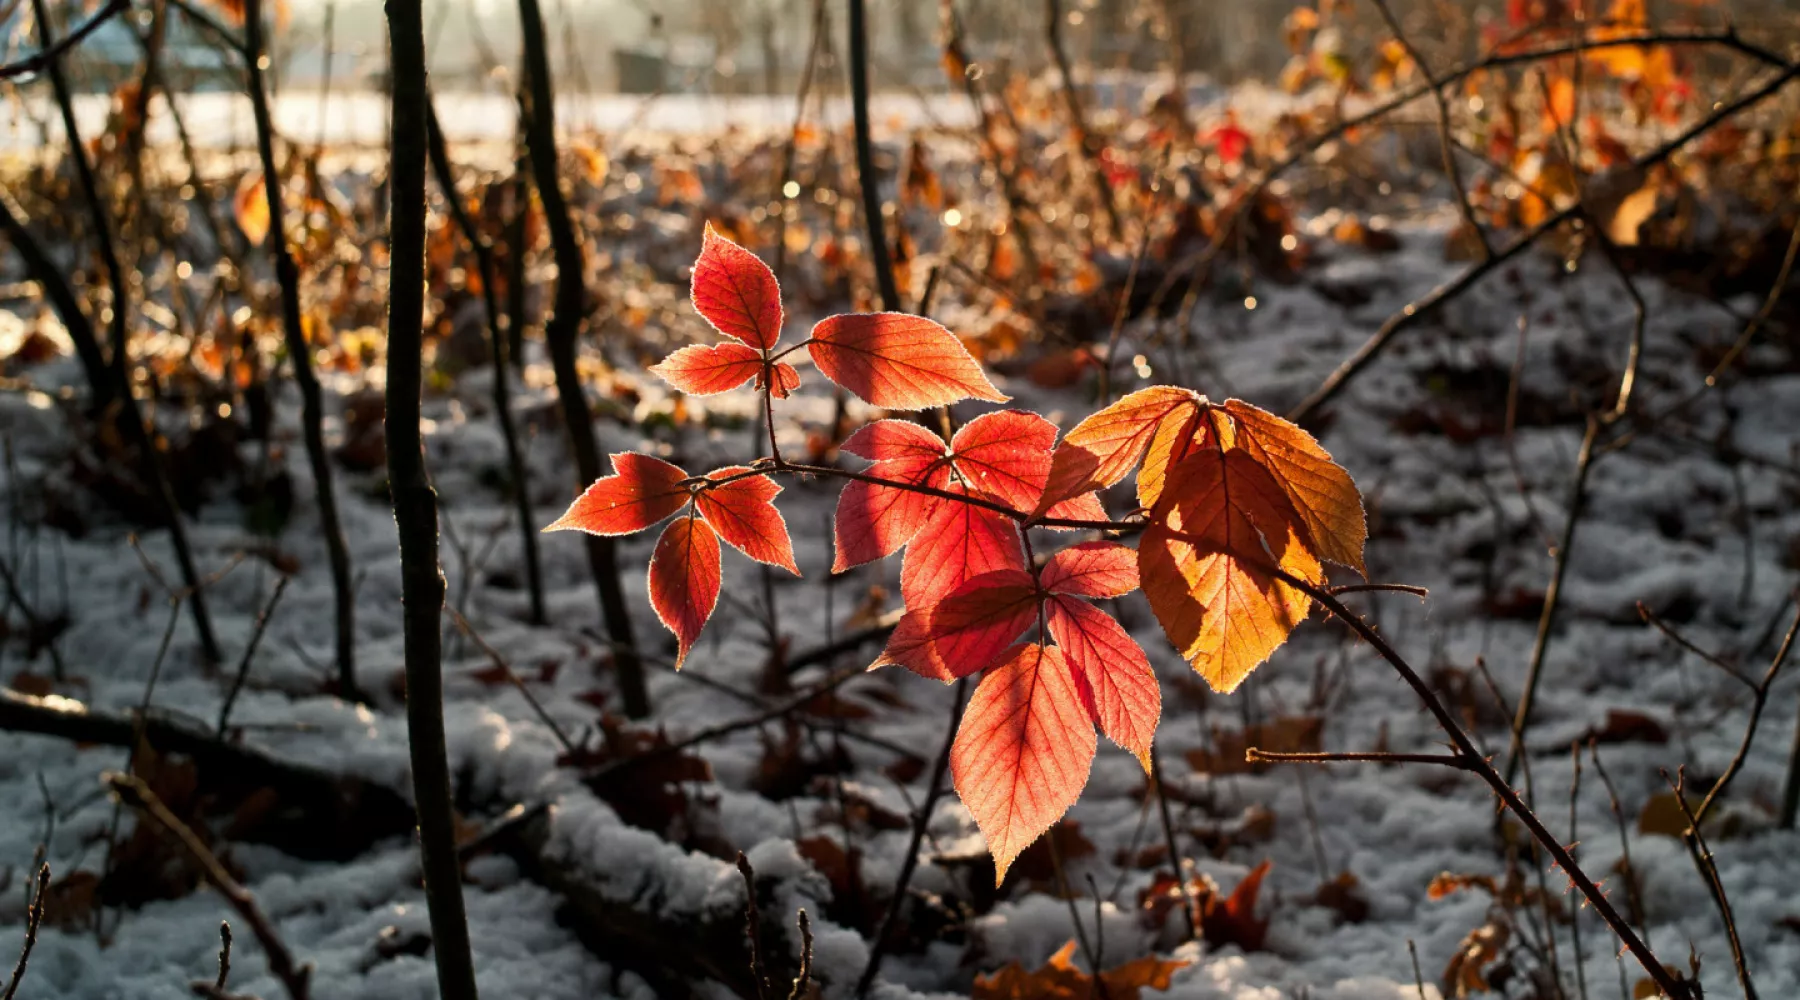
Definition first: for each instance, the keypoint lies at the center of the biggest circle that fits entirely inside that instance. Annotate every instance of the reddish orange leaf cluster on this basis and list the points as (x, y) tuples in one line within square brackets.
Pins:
[(1241, 512)]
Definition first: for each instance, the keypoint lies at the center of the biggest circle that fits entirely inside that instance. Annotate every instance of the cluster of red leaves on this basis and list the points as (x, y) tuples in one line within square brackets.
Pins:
[(1242, 511)]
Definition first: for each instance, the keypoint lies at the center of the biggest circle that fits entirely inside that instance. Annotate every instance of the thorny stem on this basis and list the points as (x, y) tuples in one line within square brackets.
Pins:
[(1715, 886), (34, 918)]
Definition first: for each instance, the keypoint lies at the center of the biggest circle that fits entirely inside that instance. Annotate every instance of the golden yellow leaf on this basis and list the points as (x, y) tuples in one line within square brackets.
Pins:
[(1223, 520), (1322, 494), (251, 206)]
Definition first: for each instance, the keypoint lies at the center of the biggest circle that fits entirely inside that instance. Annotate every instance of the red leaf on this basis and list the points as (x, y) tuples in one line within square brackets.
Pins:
[(743, 512), (1092, 569), (787, 379), (1118, 685), (684, 580), (736, 292), (1006, 455), (641, 491), (969, 630), (1023, 750), (898, 361), (703, 370), (881, 440), (1100, 450), (874, 521), (959, 542)]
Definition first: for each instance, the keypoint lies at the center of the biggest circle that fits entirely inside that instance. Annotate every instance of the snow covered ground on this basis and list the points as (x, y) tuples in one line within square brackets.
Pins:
[(1705, 543)]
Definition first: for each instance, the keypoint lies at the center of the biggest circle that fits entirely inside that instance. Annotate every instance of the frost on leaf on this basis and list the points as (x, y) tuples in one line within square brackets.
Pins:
[(684, 580), (1222, 521), (1319, 489), (1023, 751), (1100, 450), (641, 491), (898, 361), (736, 292)]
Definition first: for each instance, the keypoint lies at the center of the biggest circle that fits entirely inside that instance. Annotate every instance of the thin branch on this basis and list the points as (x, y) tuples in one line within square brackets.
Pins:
[(506, 669), (38, 61), (34, 918), (1457, 761), (243, 669), (1419, 309), (133, 792), (866, 179), (1709, 872), (921, 820), (415, 506)]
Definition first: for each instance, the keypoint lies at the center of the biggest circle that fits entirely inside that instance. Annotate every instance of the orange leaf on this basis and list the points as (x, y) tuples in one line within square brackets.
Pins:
[(1321, 492), (1223, 519), (1023, 750), (898, 361), (703, 370), (736, 292), (251, 206), (959, 542), (874, 521), (968, 631), (743, 513), (1060, 979), (1100, 450), (1176, 437), (1092, 569), (1117, 685), (641, 491), (684, 580)]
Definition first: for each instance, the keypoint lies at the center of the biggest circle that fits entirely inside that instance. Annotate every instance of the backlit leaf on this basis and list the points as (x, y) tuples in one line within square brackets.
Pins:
[(251, 206), (1322, 493), (743, 513), (1023, 750), (873, 521), (1092, 569), (1203, 561), (1114, 677), (1176, 437), (787, 379), (684, 580), (641, 491), (705, 369), (1100, 450), (969, 630), (898, 361), (959, 542), (736, 292)]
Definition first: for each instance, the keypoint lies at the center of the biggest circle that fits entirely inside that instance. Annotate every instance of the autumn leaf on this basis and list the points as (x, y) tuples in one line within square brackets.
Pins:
[(1320, 491), (736, 292), (1061, 979), (958, 542), (787, 379), (1113, 676), (1005, 456), (1023, 750), (684, 580), (641, 491), (251, 207), (1100, 450), (743, 512), (703, 370), (1092, 569), (1176, 437), (898, 361), (969, 630), (1203, 563), (872, 520)]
